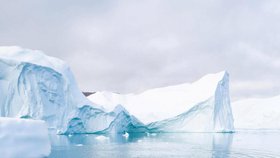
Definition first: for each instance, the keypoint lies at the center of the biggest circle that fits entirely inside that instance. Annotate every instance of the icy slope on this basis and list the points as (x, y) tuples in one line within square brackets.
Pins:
[(257, 113), (198, 107), (22, 138)]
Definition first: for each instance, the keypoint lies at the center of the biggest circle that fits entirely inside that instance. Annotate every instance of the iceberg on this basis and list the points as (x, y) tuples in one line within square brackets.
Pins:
[(36, 86), (257, 113), (202, 106), (23, 138)]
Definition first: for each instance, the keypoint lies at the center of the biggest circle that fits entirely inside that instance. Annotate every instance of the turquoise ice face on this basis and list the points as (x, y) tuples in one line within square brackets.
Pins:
[(43, 88)]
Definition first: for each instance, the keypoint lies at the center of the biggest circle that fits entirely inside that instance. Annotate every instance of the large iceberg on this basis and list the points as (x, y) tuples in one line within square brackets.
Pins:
[(36, 86), (23, 138), (257, 113), (202, 106)]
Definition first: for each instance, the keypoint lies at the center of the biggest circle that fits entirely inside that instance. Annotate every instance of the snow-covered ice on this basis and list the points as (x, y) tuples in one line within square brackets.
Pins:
[(202, 106), (23, 138), (257, 113)]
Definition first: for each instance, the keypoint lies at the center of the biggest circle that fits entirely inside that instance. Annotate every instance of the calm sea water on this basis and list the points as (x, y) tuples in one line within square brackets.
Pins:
[(214, 145)]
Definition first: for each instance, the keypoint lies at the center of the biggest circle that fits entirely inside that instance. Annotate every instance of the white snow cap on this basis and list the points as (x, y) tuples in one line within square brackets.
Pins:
[(16, 53)]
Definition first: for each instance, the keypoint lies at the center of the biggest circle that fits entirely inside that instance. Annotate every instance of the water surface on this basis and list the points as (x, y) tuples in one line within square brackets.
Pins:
[(215, 145)]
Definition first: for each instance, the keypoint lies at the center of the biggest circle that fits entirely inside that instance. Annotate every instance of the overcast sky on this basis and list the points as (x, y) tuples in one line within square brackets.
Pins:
[(132, 45)]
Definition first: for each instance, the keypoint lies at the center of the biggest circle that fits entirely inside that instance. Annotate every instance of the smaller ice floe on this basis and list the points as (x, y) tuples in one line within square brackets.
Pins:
[(101, 138), (139, 141), (151, 134), (23, 138), (126, 135)]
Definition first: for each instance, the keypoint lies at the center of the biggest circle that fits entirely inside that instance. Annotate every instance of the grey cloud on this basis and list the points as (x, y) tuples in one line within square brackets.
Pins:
[(129, 46)]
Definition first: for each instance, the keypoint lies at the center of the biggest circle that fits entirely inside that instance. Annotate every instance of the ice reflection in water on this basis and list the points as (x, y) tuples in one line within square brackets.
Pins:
[(221, 145), (215, 145)]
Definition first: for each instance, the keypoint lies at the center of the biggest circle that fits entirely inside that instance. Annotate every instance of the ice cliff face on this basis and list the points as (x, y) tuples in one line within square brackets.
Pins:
[(257, 113), (212, 115), (203, 106)]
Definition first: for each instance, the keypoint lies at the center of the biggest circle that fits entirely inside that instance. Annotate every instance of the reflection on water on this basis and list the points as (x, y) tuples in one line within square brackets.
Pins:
[(221, 145), (215, 145)]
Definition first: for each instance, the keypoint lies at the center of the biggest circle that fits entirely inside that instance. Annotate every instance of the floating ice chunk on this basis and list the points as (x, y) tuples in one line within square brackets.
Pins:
[(126, 135), (23, 138), (101, 138)]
